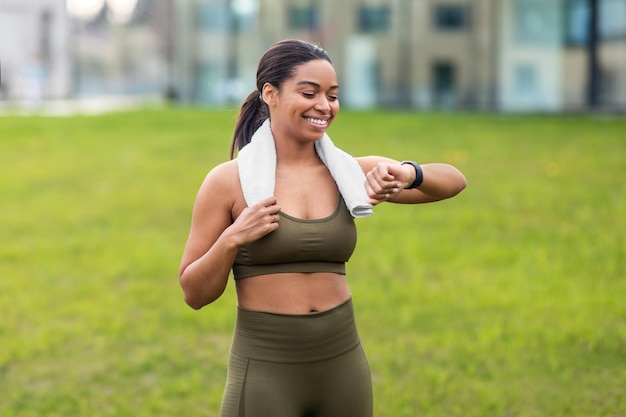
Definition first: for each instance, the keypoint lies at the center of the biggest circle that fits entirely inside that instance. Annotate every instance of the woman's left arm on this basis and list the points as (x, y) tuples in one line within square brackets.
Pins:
[(387, 179)]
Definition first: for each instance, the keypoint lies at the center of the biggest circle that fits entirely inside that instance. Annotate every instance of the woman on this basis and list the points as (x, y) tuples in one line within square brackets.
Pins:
[(296, 351)]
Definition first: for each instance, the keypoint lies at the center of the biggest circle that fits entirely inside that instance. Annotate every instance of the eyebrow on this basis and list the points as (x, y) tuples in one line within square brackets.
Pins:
[(314, 84)]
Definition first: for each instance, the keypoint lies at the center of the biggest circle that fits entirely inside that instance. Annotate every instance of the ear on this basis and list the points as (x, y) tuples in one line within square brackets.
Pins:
[(269, 93)]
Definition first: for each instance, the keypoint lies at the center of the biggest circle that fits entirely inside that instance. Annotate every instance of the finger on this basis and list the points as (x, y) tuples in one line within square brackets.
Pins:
[(381, 192), (369, 189), (266, 207), (385, 172), (374, 183), (376, 194), (273, 207), (271, 218), (382, 184), (267, 202), (396, 170), (376, 175), (374, 201)]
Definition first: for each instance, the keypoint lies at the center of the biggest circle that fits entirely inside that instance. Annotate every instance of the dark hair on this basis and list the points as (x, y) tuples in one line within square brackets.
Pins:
[(275, 67)]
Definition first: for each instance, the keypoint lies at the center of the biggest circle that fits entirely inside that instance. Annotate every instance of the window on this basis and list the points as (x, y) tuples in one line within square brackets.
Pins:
[(525, 79), (451, 17), (613, 19), (576, 21), (212, 17), (443, 73), (611, 16), (537, 22), (303, 18), (374, 19), (444, 84)]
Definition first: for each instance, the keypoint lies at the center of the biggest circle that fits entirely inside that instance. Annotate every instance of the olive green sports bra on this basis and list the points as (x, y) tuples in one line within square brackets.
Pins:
[(300, 245)]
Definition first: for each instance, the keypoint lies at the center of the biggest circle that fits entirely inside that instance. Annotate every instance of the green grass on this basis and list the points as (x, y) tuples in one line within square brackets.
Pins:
[(507, 300)]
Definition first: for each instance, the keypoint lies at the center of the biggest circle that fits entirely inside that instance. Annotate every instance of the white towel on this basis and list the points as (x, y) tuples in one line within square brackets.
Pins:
[(257, 171)]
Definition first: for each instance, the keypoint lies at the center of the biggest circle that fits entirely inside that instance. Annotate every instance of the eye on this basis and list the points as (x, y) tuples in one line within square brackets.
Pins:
[(308, 95), (333, 98)]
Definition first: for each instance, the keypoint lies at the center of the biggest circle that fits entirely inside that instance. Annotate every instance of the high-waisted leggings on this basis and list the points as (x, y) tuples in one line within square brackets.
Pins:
[(297, 366)]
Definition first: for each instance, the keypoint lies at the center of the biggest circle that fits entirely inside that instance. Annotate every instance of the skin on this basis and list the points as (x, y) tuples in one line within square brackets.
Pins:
[(300, 111)]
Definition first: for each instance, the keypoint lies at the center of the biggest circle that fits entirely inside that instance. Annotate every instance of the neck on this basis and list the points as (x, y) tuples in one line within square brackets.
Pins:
[(290, 151), (296, 154)]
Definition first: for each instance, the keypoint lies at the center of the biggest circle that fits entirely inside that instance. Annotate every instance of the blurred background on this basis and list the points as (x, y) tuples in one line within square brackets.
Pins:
[(491, 55)]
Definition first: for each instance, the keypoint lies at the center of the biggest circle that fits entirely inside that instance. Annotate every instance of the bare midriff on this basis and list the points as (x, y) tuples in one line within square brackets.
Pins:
[(293, 293)]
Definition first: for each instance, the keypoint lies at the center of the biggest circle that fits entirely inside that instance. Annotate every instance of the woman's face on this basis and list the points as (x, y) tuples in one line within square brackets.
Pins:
[(307, 103)]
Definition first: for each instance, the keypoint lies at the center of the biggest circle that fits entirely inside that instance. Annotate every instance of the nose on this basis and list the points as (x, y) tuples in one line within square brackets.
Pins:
[(323, 104)]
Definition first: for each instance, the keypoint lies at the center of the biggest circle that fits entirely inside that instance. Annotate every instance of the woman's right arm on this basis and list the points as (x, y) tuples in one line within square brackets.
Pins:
[(214, 238)]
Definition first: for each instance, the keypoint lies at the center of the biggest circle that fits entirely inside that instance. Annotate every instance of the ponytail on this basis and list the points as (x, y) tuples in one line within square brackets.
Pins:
[(252, 114)]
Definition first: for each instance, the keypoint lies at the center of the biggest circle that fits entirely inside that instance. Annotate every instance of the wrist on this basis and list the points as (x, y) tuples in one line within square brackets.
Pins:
[(231, 239), (419, 175)]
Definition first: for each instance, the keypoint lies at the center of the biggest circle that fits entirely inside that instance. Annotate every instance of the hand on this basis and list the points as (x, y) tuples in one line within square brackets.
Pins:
[(256, 221), (387, 180)]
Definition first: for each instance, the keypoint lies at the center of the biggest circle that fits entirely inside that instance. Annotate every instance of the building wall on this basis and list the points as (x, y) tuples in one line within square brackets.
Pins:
[(467, 52), (394, 65), (530, 55), (34, 50), (613, 84), (444, 54), (613, 76)]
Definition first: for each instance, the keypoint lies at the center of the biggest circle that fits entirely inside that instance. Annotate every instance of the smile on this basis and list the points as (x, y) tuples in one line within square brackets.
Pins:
[(317, 122)]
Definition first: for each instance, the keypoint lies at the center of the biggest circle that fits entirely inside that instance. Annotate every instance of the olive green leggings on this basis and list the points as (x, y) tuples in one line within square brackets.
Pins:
[(297, 366)]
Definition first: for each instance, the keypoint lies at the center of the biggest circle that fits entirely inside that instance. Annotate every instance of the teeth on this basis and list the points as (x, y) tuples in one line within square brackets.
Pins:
[(318, 122)]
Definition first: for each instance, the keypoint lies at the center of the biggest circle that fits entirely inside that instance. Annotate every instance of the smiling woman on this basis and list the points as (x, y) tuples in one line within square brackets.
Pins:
[(307, 102), (270, 80), (296, 350)]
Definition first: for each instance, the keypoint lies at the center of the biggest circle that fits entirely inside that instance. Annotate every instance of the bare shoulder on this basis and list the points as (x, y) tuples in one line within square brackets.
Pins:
[(220, 187), (222, 178)]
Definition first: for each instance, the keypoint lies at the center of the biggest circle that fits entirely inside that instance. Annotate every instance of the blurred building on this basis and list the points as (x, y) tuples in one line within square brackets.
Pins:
[(121, 47), (511, 55), (58, 49), (450, 54), (35, 56)]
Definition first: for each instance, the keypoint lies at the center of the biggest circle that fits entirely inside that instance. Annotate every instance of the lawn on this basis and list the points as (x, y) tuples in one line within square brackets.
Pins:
[(507, 300)]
